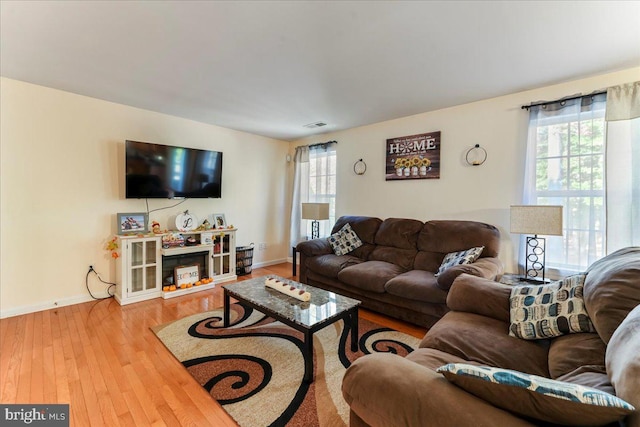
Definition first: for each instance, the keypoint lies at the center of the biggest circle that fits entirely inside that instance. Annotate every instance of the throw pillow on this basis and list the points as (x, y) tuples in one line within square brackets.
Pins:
[(537, 397), (344, 241), (547, 311), (462, 257)]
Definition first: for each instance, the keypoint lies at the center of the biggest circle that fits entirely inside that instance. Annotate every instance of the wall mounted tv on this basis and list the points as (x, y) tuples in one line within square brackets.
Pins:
[(155, 171)]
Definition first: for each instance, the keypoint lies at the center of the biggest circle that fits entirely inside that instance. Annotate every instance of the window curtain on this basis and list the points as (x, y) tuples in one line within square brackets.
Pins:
[(554, 175), (623, 166), (314, 182), (300, 193)]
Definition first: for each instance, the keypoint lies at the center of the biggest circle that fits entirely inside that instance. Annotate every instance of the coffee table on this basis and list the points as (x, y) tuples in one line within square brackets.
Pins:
[(323, 309)]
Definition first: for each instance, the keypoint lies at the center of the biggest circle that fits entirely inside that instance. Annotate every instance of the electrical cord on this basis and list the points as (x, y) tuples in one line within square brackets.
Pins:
[(111, 285), (168, 207)]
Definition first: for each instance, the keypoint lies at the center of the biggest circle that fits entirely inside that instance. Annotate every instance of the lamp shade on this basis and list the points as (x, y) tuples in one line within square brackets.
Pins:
[(316, 211), (536, 219)]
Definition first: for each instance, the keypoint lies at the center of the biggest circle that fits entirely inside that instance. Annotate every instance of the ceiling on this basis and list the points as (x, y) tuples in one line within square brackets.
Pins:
[(271, 67)]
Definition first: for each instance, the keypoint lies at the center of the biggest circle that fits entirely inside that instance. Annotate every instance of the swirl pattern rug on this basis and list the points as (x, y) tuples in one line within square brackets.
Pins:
[(255, 367)]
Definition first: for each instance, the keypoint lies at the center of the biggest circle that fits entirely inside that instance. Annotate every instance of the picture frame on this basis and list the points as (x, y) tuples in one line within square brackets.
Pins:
[(186, 274), (132, 223), (413, 157), (219, 220), (206, 238)]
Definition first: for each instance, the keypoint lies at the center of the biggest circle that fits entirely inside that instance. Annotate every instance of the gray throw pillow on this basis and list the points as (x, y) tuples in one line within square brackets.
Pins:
[(344, 241), (462, 257)]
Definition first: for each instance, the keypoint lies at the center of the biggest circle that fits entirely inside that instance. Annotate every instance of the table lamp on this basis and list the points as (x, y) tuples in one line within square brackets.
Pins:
[(536, 219), (315, 212)]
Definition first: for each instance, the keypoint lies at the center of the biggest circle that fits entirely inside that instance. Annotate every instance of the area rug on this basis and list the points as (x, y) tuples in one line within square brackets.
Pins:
[(254, 368)]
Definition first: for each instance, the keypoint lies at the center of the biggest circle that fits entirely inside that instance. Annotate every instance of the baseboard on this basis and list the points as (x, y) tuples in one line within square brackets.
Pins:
[(79, 299), (48, 305), (268, 263)]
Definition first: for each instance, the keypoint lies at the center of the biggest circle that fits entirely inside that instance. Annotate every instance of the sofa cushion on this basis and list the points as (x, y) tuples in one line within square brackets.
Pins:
[(344, 241), (417, 285), (623, 362), (438, 238), (432, 359), (473, 294), (569, 352), (403, 258), (365, 227), (399, 233), (485, 340), (330, 265), (538, 397), (590, 376), (612, 289), (370, 275), (467, 256), (546, 311)]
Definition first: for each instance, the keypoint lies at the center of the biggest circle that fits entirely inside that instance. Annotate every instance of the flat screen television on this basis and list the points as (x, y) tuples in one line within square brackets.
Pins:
[(155, 171)]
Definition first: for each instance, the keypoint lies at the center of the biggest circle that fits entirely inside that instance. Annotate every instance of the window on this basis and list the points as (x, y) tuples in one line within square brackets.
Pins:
[(322, 184), (566, 166), (314, 181)]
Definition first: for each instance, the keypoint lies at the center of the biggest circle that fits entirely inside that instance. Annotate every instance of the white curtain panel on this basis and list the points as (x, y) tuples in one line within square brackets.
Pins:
[(623, 102), (300, 193), (623, 166)]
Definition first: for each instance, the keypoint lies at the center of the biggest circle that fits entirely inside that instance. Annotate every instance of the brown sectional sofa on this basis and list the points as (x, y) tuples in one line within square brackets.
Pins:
[(393, 272), (388, 390)]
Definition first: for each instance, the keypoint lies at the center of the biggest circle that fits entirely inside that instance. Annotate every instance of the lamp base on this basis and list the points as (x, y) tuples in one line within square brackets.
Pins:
[(315, 229), (533, 281), (535, 259)]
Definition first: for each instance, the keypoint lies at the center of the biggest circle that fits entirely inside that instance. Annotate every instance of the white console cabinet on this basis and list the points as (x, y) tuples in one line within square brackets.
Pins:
[(140, 273)]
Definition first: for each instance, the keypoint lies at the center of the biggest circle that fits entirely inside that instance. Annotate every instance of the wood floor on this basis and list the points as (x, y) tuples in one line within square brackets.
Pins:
[(103, 359)]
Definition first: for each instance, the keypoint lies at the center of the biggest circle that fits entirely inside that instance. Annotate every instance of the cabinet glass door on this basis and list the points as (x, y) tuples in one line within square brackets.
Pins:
[(150, 279), (144, 265), (137, 253), (150, 250), (223, 254), (137, 280), (225, 264)]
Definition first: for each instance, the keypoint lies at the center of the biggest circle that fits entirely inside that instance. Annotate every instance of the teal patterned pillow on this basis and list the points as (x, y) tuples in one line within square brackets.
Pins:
[(547, 311), (461, 257), (344, 241), (537, 397)]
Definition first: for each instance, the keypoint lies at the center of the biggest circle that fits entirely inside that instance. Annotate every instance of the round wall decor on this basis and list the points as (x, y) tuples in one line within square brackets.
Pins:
[(476, 155), (360, 167)]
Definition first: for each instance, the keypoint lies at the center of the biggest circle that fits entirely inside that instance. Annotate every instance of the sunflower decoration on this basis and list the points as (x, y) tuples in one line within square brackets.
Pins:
[(415, 161), (426, 162), (399, 163)]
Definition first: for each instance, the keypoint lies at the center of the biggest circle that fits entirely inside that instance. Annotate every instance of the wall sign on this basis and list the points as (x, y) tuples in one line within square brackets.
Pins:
[(186, 274), (413, 157)]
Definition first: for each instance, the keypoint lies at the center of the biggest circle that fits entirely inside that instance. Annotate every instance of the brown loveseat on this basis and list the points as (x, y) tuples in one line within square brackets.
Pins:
[(388, 390), (393, 272)]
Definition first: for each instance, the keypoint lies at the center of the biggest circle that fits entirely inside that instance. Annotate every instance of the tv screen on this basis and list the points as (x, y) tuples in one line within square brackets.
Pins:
[(155, 171)]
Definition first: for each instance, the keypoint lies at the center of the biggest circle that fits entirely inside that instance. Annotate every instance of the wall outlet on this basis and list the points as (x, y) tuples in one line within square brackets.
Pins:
[(262, 246)]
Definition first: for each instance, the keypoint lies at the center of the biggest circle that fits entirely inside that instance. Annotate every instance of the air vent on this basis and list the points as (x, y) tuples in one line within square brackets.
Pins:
[(315, 125)]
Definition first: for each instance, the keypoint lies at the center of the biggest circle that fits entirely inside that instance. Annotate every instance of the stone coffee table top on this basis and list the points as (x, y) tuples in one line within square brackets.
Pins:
[(321, 308)]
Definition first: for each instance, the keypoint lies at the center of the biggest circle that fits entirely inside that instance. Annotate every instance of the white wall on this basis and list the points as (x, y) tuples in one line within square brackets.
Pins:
[(62, 179), (481, 193), (62, 165)]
